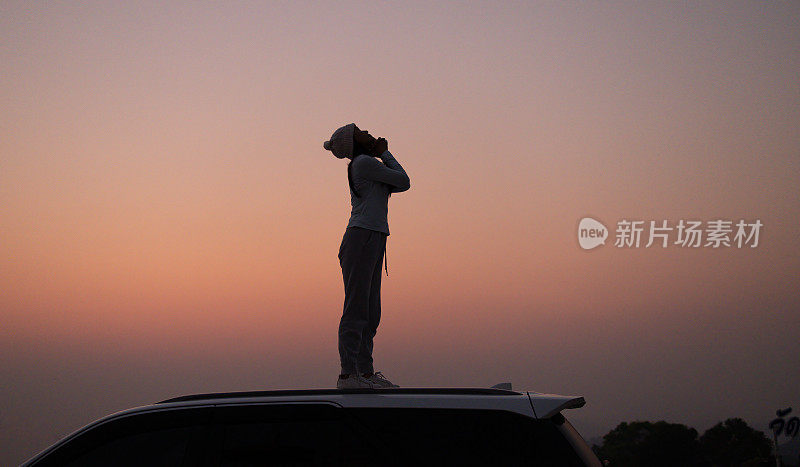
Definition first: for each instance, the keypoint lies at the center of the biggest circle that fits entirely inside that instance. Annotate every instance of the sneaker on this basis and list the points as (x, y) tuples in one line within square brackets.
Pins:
[(354, 382), (379, 381)]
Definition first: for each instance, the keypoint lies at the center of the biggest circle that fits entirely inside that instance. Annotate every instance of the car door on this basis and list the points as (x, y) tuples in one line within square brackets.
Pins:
[(468, 437), (296, 434)]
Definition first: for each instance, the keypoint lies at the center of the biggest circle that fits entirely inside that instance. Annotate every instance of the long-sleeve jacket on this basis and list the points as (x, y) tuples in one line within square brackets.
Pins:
[(374, 180)]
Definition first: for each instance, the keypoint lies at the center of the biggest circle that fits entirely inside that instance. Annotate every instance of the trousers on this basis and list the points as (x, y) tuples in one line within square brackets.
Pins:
[(360, 256)]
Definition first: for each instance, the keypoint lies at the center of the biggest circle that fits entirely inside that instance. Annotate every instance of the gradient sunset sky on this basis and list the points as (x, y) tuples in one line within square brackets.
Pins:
[(169, 220)]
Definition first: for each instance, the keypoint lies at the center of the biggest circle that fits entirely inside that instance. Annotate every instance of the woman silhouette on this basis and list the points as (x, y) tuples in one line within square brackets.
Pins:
[(363, 248)]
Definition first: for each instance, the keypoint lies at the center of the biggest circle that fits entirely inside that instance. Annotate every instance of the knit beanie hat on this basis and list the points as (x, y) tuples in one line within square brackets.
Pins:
[(341, 142)]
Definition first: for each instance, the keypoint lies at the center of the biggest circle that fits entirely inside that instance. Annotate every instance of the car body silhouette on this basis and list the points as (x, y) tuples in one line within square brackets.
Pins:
[(332, 427)]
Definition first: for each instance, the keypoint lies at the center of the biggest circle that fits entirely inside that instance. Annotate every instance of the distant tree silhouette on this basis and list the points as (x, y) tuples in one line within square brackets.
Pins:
[(728, 443), (651, 444), (734, 442)]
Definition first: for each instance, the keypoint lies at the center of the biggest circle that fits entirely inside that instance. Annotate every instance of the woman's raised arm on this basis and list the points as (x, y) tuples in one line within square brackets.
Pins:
[(389, 172)]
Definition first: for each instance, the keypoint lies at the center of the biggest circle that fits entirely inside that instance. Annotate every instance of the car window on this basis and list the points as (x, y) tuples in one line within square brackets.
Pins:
[(152, 448), (291, 434), (468, 437), (163, 438)]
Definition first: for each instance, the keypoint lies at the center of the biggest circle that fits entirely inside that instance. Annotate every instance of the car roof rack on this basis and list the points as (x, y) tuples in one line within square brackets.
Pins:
[(323, 392)]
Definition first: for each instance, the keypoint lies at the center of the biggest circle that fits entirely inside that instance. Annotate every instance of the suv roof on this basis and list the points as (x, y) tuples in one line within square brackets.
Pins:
[(317, 392), (542, 405)]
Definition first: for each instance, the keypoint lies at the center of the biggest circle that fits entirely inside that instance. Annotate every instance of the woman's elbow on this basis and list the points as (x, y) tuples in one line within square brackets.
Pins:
[(401, 187)]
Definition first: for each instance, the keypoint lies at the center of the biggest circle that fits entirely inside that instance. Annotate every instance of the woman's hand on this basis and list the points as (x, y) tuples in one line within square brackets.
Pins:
[(380, 146)]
